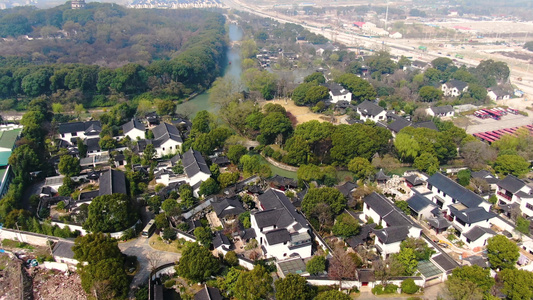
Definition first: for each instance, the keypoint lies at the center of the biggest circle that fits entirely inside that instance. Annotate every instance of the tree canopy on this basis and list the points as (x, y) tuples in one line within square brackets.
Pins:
[(294, 287), (197, 263), (502, 252), (110, 213)]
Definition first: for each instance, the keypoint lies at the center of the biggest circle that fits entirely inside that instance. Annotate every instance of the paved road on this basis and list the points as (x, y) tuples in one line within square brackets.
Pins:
[(140, 248)]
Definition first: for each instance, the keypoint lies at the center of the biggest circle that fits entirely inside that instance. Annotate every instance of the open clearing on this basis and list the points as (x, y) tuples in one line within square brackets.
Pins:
[(301, 113)]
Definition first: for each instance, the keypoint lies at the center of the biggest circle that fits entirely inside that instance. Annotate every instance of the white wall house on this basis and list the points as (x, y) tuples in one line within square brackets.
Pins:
[(477, 236), (281, 231), (454, 88), (370, 111), (195, 167), (498, 94), (338, 93), (396, 225), (441, 111), (167, 139), (71, 131), (134, 129), (513, 190)]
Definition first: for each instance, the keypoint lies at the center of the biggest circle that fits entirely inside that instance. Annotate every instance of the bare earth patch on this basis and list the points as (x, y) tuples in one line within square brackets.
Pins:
[(49, 284), (301, 113), (9, 278)]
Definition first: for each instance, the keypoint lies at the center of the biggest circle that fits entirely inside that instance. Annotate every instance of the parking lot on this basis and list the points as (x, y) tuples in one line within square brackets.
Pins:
[(507, 121)]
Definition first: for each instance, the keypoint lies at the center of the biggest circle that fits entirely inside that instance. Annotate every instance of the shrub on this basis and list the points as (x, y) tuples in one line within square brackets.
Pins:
[(277, 156), (409, 286), (170, 283), (268, 151), (388, 289)]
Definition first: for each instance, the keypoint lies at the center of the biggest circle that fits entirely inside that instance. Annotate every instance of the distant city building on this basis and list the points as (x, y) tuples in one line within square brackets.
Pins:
[(77, 4)]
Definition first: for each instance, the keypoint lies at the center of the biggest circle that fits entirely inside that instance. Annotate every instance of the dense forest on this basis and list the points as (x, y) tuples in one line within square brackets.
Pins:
[(105, 53)]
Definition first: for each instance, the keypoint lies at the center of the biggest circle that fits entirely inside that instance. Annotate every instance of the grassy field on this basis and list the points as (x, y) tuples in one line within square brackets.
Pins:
[(157, 243)]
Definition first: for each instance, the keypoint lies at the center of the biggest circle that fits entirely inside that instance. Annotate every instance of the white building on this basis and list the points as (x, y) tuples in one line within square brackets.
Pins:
[(512, 190), (370, 111), (395, 35), (441, 111), (195, 168), (281, 231), (338, 93), (396, 225), (454, 88), (70, 132), (167, 139), (498, 94), (477, 236), (134, 129)]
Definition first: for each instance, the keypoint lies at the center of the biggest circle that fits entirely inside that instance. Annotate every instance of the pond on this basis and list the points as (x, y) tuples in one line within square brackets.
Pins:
[(232, 68)]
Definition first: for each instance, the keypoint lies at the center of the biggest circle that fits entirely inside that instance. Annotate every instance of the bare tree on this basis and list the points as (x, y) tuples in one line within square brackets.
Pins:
[(154, 258), (341, 265)]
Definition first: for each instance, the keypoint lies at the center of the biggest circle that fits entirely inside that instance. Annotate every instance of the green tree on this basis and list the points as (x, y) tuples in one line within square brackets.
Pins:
[(155, 204), (235, 152), (427, 163), (148, 154), (332, 295), (197, 263), (165, 107), (69, 166), (161, 221), (253, 285), (231, 258), (345, 226), (103, 275), (107, 143), (463, 177), (315, 94), (407, 258), (298, 151), (227, 179), (317, 76), (463, 290), (522, 225), (517, 284), (67, 188), (309, 173), (275, 124), (420, 247), (502, 253), (511, 164), (244, 218), (171, 207), (316, 265), (110, 213), (442, 63), (529, 46), (24, 160), (409, 286), (361, 167), (294, 287), (475, 274), (209, 187), (204, 236), (361, 89), (327, 195), (429, 94), (403, 206)]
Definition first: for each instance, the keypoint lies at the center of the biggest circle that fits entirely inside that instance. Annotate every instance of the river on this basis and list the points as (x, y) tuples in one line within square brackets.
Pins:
[(232, 68)]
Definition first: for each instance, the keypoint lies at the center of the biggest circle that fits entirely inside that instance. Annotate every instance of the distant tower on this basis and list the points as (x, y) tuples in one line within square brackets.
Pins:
[(77, 4)]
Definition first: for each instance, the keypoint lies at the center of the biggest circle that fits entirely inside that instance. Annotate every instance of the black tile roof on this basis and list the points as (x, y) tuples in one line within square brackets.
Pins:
[(370, 108), (418, 202), (398, 125), (76, 126), (476, 232), (164, 132), (90, 195), (282, 181), (427, 124), (220, 239), (337, 89), (112, 182), (347, 188), (391, 235), (248, 233), (460, 85), (364, 234), (472, 215), (388, 211), (92, 144), (275, 199), (442, 109), (133, 123), (278, 236), (381, 176), (485, 175), (414, 180), (511, 183), (194, 163), (227, 206), (273, 217), (208, 293), (445, 262), (455, 190)]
